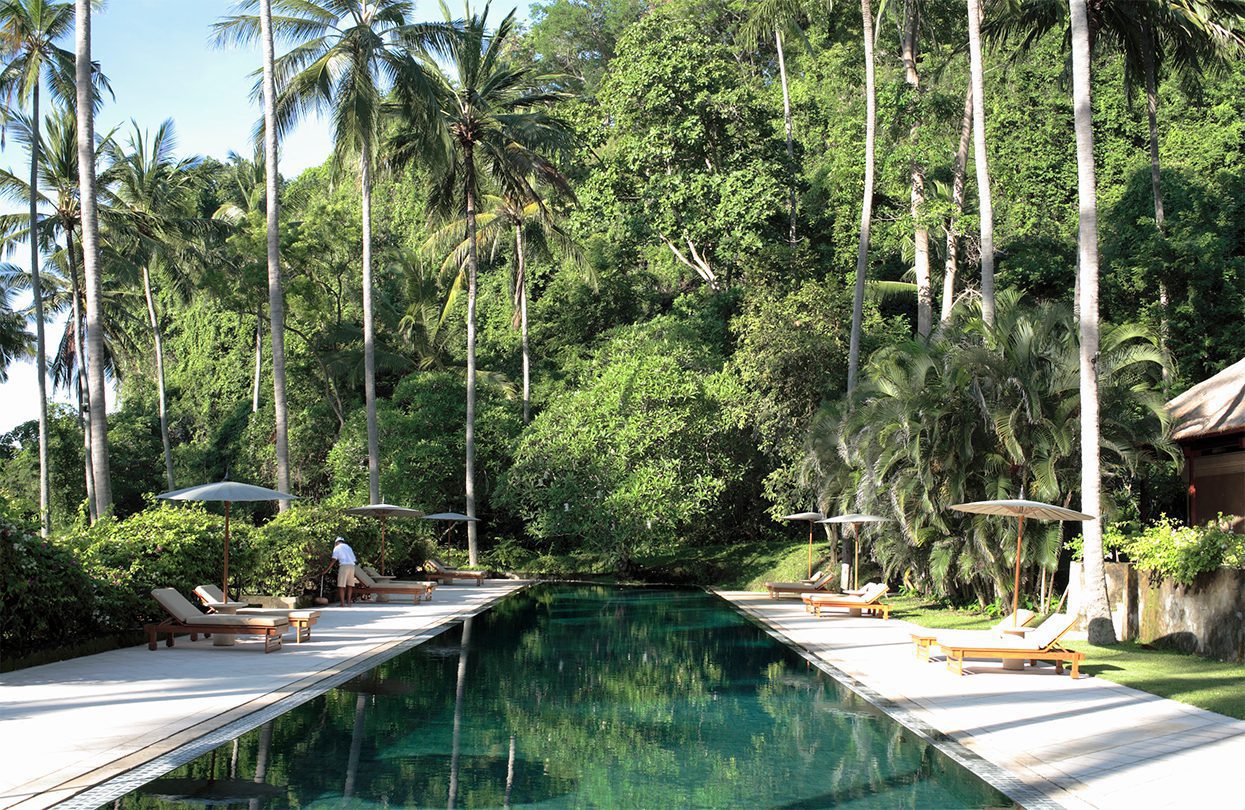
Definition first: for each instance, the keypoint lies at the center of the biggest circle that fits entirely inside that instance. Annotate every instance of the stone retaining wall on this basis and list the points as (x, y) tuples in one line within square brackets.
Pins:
[(1206, 617)]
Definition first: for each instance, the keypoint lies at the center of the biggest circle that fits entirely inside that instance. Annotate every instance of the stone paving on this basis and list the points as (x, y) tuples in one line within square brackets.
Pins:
[(73, 724), (1087, 743)]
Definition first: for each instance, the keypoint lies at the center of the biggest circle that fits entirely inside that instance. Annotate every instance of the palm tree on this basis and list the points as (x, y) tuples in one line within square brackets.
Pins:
[(924, 291), (985, 205), (1097, 612), (491, 117), (84, 72), (152, 233), (951, 268), (346, 56), (866, 207), (779, 16), (29, 30)]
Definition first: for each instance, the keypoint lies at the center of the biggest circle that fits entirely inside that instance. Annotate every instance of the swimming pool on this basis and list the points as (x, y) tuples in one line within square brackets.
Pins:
[(574, 696)]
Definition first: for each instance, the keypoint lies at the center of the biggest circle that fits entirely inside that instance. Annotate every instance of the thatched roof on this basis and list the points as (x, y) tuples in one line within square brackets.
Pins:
[(1212, 406)]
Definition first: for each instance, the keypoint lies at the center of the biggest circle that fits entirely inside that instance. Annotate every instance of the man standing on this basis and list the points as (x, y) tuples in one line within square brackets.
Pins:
[(343, 555)]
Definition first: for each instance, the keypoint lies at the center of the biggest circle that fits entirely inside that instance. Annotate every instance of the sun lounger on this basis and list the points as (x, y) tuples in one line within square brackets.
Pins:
[(1040, 645), (366, 586), (186, 618), (868, 602), (301, 620), (440, 573), (777, 589), (926, 640)]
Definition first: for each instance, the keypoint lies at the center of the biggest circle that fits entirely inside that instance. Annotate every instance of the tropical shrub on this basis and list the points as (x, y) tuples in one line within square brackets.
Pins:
[(981, 413), (1168, 549), (48, 596)]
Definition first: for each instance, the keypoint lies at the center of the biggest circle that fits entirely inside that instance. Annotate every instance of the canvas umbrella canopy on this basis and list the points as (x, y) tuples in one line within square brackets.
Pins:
[(855, 521), (382, 512), (451, 517), (1021, 509), (229, 492), (811, 517)]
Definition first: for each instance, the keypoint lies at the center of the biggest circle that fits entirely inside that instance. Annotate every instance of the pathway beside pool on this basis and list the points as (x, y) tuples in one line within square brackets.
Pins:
[(1087, 743), (73, 724)]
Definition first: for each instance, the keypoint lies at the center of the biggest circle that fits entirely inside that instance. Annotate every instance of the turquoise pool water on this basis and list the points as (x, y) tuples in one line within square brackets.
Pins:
[(582, 696)]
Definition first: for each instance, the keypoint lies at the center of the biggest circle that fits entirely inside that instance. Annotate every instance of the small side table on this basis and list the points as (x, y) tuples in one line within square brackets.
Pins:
[(1015, 632), (383, 579), (225, 609)]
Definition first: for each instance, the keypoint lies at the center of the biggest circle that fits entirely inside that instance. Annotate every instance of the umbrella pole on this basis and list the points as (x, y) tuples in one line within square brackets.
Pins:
[(224, 589), (1020, 533), (810, 549), (856, 561), (382, 545)]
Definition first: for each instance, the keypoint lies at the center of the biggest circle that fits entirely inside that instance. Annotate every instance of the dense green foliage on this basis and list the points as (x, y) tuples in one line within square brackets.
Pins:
[(1167, 549), (683, 347)]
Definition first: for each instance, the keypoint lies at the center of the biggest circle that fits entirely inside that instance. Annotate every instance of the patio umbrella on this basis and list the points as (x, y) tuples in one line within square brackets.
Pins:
[(811, 517), (451, 517), (382, 512), (229, 492), (1021, 509), (855, 521)]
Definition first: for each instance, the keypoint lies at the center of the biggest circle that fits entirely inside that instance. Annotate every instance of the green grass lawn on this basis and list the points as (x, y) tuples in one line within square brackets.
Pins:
[(1213, 685)]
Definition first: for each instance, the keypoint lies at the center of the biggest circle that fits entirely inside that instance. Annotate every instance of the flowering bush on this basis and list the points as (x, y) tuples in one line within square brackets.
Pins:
[(1168, 549)]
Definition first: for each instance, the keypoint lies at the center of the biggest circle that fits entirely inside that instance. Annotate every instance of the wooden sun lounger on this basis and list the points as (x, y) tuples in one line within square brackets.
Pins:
[(301, 620), (777, 589), (926, 640), (440, 573), (366, 586), (1041, 645), (185, 618), (868, 602)]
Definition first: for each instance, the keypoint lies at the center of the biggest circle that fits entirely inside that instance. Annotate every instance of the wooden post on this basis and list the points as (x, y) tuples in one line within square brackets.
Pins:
[(224, 588), (1020, 533)]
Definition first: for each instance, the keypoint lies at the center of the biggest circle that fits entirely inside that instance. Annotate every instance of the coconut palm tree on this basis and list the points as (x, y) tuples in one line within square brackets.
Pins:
[(1101, 630), (866, 207), (346, 56), (952, 262), (84, 73), (29, 31), (985, 204), (491, 120), (782, 17), (909, 48)]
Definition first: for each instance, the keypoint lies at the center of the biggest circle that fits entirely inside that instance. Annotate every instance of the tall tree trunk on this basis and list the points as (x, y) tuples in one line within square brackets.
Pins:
[(369, 334), (521, 291), (786, 120), (957, 207), (866, 207), (259, 359), (984, 203), (276, 295), (472, 259), (90, 258), (1152, 116), (36, 289), (158, 343), (84, 402), (924, 289), (1097, 611)]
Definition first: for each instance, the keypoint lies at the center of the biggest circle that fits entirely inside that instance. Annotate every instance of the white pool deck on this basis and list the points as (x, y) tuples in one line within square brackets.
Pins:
[(1087, 743), (67, 726)]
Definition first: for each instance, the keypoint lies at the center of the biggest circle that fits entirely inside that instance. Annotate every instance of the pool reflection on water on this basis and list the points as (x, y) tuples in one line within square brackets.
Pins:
[(582, 696)]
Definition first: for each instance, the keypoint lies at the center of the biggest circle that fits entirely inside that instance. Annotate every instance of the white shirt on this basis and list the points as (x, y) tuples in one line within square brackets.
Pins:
[(344, 554)]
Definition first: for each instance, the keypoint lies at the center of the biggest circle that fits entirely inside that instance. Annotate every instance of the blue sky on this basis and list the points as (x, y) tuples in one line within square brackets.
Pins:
[(158, 56)]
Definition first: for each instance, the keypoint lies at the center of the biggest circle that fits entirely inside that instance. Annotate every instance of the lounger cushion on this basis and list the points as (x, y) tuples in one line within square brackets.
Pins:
[(1018, 619), (180, 608), (211, 593), (368, 582), (241, 620)]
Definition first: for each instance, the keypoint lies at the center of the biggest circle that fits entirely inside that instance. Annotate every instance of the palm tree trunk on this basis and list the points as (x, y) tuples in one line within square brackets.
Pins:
[(1097, 611), (90, 258), (1152, 116), (158, 342), (36, 289), (924, 289), (866, 207), (84, 402), (786, 120), (957, 207), (369, 334), (472, 536), (259, 359), (521, 284), (276, 295), (984, 203)]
